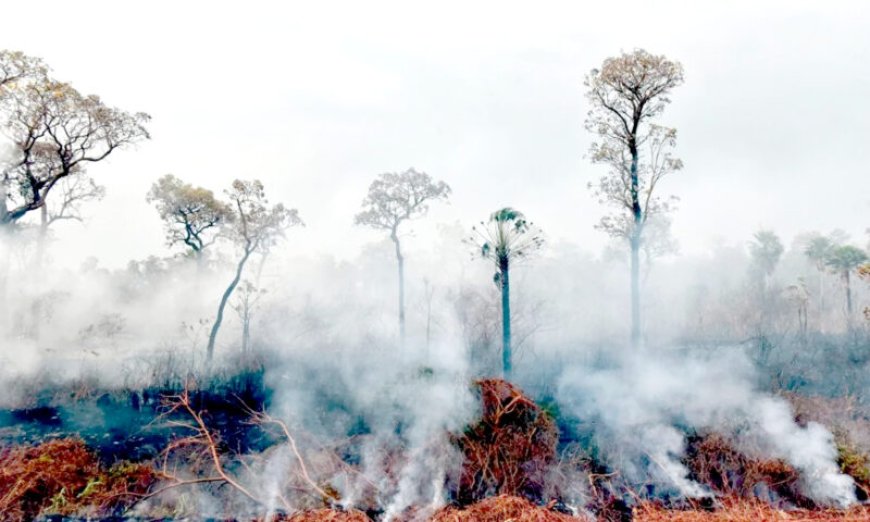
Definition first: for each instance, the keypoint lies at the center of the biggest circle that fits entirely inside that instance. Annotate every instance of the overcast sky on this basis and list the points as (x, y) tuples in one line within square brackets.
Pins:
[(316, 98)]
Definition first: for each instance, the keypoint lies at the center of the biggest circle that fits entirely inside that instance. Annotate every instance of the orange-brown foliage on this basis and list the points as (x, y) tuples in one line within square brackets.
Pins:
[(62, 476), (327, 515), (714, 461), (510, 449), (736, 510), (500, 509)]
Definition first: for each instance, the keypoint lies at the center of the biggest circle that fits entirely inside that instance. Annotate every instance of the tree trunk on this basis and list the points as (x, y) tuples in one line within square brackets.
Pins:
[(401, 261), (428, 326), (821, 298), (5, 269), (42, 236), (848, 293), (635, 248), (246, 330), (4, 204), (506, 355), (226, 297), (635, 293)]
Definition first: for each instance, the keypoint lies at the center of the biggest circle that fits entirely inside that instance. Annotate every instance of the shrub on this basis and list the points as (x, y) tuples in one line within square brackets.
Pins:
[(64, 477), (500, 509), (714, 461), (510, 449)]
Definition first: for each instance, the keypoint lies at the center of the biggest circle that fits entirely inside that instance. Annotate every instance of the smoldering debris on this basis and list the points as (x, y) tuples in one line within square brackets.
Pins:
[(644, 405), (421, 455)]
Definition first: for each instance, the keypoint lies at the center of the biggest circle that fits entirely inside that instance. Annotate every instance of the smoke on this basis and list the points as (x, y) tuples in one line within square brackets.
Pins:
[(645, 403), (395, 400), (338, 377)]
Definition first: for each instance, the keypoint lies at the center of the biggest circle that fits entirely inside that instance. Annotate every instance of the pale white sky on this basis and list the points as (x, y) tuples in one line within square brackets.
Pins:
[(316, 98)]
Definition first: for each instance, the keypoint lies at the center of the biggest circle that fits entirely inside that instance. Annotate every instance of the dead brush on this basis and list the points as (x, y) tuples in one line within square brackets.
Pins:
[(715, 462), (743, 510), (849, 421), (63, 477), (500, 509), (304, 479), (201, 459), (510, 450), (325, 515)]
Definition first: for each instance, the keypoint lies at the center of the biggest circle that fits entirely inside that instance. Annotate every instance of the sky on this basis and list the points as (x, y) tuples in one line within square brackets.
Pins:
[(317, 98)]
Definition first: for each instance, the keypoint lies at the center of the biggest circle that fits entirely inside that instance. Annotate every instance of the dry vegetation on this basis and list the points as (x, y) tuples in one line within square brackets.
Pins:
[(63, 477), (510, 449), (326, 515), (510, 459), (746, 511), (499, 509), (714, 461)]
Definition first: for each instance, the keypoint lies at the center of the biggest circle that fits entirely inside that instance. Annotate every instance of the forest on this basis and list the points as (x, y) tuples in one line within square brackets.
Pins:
[(445, 370)]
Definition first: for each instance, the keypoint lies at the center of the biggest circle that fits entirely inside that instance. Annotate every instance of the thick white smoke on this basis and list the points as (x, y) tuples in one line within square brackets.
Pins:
[(645, 401)]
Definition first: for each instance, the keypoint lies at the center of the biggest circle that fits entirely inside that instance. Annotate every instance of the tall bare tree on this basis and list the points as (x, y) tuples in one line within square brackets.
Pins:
[(255, 228), (626, 94), (56, 132), (504, 239), (392, 199), (191, 215)]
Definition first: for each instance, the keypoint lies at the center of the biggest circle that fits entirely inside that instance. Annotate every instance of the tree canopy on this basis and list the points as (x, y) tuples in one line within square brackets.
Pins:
[(191, 215), (625, 94), (394, 197), (56, 132)]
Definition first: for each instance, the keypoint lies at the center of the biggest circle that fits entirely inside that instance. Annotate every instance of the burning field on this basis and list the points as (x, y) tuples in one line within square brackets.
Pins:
[(406, 345), (217, 452)]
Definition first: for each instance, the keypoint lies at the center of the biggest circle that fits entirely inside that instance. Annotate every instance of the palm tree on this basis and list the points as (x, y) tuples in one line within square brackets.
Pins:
[(506, 238), (817, 250), (843, 260)]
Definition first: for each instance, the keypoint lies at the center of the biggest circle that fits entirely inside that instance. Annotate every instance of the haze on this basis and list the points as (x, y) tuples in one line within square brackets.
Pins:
[(316, 100)]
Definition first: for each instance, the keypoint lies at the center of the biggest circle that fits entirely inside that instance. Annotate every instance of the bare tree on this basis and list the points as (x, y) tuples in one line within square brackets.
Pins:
[(626, 94), (56, 131), (799, 297), (191, 215), (505, 239), (255, 228), (392, 199), (246, 302), (72, 192), (428, 296)]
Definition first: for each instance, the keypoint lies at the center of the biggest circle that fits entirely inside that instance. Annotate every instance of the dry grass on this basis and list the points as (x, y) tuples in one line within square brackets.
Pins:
[(326, 515), (736, 510), (714, 461), (500, 509), (510, 450), (63, 477)]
